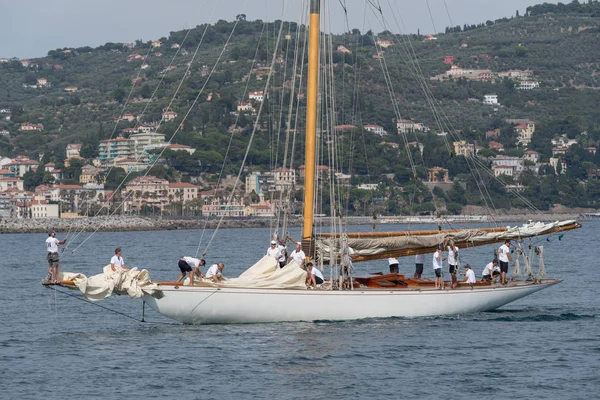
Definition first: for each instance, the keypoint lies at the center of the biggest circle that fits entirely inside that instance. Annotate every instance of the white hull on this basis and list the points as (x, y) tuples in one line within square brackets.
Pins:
[(208, 305)]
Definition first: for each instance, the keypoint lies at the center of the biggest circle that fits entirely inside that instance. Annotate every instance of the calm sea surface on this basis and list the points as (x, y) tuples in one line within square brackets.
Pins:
[(546, 346)]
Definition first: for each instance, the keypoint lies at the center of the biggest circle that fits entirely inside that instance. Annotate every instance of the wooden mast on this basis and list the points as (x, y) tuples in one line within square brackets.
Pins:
[(311, 127)]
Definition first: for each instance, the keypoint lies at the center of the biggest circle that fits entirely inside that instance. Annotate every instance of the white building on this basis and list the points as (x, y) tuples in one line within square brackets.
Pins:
[(257, 96), (375, 129), (501, 163), (490, 99), (73, 150), (462, 148), (41, 209), (407, 126), (503, 170), (528, 85), (7, 183), (284, 178)]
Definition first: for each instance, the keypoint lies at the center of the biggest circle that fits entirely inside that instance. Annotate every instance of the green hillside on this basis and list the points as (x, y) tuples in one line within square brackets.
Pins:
[(557, 43)]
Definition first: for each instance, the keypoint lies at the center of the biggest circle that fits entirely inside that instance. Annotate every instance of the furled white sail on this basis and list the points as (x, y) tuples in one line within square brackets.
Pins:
[(97, 287), (372, 247)]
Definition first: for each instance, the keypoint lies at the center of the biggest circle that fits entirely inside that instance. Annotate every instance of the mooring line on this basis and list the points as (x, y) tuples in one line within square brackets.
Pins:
[(106, 308)]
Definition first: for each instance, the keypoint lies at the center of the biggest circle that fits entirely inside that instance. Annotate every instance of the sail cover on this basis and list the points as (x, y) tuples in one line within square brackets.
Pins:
[(407, 244), (267, 274), (97, 287)]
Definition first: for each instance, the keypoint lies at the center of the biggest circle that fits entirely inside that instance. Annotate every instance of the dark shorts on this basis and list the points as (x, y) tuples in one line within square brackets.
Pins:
[(438, 272), (52, 259), (394, 269), (503, 266), (318, 280), (281, 264), (452, 268), (184, 267), (419, 269)]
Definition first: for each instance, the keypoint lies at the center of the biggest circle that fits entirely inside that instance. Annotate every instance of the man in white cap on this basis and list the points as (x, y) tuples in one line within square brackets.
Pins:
[(52, 244), (273, 250)]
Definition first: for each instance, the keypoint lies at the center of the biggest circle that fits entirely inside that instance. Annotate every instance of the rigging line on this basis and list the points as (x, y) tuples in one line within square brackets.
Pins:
[(98, 305), (225, 157), (178, 128), (297, 104), (431, 16), (105, 204), (130, 92), (283, 210), (139, 156), (439, 117), (153, 95), (448, 13), (383, 64), (251, 136)]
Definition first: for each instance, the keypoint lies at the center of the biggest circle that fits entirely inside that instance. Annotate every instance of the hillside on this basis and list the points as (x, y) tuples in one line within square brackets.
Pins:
[(558, 46)]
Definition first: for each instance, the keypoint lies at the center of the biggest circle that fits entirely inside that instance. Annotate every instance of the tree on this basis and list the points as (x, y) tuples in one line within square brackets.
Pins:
[(119, 95)]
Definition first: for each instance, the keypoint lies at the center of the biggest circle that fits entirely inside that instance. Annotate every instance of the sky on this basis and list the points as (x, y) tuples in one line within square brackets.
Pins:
[(30, 28)]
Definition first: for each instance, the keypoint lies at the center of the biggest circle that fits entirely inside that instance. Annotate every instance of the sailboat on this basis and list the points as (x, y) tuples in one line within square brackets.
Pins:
[(267, 293), (286, 298)]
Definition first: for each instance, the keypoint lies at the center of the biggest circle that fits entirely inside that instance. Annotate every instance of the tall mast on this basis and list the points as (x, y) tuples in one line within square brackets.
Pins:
[(311, 124)]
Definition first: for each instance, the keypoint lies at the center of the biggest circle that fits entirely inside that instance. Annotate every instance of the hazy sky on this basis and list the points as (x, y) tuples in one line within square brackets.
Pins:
[(30, 28)]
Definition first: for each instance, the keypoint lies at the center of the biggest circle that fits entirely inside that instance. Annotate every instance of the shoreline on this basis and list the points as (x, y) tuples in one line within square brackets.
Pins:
[(135, 223)]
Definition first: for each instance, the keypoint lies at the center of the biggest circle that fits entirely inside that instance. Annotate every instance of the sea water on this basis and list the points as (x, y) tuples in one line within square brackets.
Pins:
[(54, 346)]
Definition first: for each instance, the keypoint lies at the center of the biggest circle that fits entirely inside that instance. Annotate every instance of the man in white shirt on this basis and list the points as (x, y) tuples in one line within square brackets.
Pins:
[(191, 265), (419, 261), (491, 271), (52, 244), (273, 250), (298, 255), (470, 276), (215, 272), (282, 255), (315, 276), (437, 267), (117, 261), (452, 261), (393, 262), (504, 257)]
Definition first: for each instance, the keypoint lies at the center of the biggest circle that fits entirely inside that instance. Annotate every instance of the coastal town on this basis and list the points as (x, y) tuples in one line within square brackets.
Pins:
[(56, 163), (134, 151)]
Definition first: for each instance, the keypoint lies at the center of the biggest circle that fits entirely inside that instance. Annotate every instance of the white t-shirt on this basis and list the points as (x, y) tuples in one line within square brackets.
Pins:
[(273, 252), (117, 261), (212, 271), (489, 269), (298, 256), (52, 245), (503, 252), (471, 276), (437, 263), (281, 254), (420, 259), (452, 255), (192, 262), (392, 261), (315, 271)]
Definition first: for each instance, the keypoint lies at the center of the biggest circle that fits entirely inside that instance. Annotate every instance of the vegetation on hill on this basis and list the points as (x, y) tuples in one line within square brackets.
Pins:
[(558, 43)]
